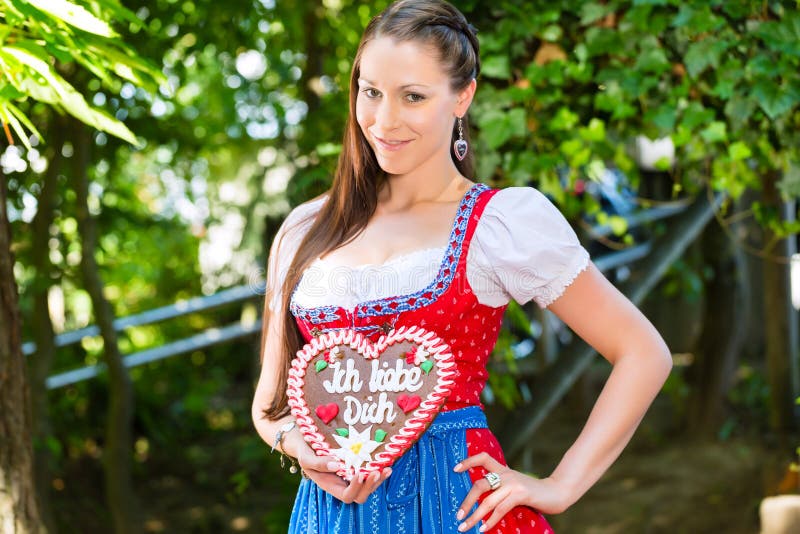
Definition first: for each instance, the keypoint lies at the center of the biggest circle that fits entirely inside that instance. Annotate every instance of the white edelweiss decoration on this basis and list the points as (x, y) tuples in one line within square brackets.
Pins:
[(420, 356), (356, 448)]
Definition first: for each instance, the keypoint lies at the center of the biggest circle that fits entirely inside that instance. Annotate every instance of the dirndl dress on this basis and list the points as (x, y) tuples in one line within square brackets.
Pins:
[(423, 493)]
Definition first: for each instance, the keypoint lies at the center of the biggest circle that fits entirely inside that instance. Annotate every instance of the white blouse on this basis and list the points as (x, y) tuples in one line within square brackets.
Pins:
[(523, 249)]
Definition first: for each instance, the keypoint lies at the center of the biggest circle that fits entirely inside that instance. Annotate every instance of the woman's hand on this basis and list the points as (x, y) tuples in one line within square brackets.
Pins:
[(322, 470), (545, 495)]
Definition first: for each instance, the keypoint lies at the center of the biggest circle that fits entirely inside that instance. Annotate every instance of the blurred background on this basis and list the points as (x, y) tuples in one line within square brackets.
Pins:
[(151, 149)]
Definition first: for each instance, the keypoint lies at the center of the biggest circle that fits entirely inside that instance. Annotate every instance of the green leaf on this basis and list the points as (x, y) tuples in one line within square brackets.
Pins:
[(426, 366), (782, 36), (774, 99), (552, 33), (715, 132), (739, 109), (595, 131), (497, 126), (344, 432), (602, 41), (663, 117), (728, 76), (697, 19), (74, 15), (7, 118), (695, 114), (662, 164), (380, 435), (703, 54), (738, 151), (126, 64), (63, 94), (618, 224), (652, 57), (592, 12), (564, 119), (496, 67), (789, 183), (320, 365)]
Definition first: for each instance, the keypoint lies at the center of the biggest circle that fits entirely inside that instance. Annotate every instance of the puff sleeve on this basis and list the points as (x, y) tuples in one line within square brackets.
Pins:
[(284, 247), (523, 249)]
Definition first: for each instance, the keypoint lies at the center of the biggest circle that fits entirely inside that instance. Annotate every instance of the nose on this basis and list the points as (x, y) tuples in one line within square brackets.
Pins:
[(387, 116)]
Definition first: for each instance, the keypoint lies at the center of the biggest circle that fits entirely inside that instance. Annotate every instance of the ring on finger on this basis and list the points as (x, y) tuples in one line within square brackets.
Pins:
[(493, 479)]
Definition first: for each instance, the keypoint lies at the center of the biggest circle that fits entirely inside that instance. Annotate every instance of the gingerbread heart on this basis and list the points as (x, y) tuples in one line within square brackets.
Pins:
[(367, 403)]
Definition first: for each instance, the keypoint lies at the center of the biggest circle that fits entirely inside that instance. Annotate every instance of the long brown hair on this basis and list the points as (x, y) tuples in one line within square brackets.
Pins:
[(354, 192)]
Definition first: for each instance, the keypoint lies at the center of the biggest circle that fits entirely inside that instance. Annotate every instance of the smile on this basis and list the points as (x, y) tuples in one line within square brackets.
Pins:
[(391, 146)]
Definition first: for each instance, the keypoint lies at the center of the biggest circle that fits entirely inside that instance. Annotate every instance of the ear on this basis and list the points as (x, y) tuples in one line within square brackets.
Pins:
[(464, 98)]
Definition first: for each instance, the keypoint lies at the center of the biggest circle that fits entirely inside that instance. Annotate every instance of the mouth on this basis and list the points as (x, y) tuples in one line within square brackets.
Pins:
[(390, 145)]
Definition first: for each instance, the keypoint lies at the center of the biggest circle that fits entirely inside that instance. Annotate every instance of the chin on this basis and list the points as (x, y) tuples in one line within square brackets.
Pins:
[(392, 167)]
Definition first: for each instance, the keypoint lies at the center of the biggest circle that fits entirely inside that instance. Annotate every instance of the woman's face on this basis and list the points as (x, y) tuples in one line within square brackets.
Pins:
[(405, 107)]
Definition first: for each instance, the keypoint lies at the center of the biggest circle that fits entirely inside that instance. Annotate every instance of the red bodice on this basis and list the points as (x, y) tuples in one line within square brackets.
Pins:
[(447, 306)]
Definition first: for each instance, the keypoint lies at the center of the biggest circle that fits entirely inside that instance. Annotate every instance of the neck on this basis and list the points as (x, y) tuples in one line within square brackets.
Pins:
[(427, 183)]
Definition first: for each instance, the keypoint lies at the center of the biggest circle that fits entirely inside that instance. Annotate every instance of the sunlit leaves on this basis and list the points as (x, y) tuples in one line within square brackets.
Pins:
[(69, 33), (62, 95), (74, 15)]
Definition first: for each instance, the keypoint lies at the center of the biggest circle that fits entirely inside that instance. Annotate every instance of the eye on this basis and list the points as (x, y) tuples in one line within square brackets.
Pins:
[(367, 92), (414, 97)]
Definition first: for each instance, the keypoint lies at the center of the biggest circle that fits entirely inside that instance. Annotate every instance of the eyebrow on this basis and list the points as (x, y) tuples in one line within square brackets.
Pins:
[(401, 87)]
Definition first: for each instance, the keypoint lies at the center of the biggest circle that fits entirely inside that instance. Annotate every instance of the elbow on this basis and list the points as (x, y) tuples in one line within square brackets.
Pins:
[(256, 414), (664, 356)]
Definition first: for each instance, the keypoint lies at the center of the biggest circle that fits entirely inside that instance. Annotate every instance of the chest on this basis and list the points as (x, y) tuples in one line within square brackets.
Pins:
[(389, 236)]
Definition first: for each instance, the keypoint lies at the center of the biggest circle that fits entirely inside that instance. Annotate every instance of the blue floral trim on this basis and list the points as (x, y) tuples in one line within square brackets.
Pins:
[(411, 301)]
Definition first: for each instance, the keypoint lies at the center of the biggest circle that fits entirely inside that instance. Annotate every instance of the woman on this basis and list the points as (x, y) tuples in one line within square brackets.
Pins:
[(404, 237)]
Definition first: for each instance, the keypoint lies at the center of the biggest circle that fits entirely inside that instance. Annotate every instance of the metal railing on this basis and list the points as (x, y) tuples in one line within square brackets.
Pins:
[(244, 293)]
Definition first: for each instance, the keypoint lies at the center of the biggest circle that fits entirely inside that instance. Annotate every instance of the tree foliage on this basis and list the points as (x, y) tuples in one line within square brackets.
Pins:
[(236, 110)]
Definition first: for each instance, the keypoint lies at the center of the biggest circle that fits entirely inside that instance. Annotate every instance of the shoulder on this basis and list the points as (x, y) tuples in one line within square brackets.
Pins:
[(526, 248), (301, 217), (514, 198), (305, 212), (519, 211)]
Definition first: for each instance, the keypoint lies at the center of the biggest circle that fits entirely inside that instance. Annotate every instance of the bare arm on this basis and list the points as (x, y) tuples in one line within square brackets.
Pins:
[(318, 468), (595, 310)]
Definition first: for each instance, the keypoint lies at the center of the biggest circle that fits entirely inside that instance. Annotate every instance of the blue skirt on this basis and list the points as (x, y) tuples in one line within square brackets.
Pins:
[(421, 496)]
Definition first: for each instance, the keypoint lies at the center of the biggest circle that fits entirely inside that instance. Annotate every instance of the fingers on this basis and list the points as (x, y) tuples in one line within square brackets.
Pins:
[(371, 484), (478, 488), (361, 487), (329, 482), (324, 464), (502, 509), (482, 459), (491, 502), (322, 469)]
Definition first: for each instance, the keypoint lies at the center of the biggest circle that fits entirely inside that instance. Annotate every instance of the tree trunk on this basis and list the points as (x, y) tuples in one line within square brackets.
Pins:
[(18, 510), (778, 312), (118, 450), (724, 327), (40, 363)]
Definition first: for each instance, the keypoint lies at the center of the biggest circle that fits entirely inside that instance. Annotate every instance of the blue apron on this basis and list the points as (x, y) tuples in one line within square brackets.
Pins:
[(421, 496)]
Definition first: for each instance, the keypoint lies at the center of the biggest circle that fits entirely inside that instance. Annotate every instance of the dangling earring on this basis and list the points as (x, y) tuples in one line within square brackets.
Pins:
[(460, 145)]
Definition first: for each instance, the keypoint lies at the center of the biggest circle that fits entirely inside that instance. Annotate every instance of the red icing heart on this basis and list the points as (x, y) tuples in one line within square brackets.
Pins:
[(408, 403), (327, 412), (370, 404)]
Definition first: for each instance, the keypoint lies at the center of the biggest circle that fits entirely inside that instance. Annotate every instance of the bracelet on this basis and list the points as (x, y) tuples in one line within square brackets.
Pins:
[(279, 444)]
